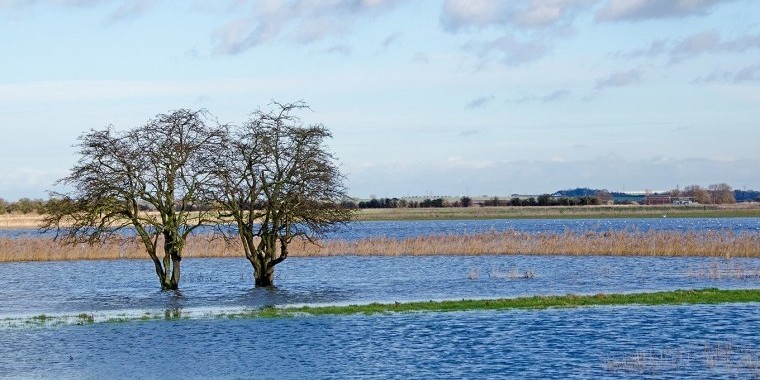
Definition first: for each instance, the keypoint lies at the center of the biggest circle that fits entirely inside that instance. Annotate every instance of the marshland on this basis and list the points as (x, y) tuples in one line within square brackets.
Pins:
[(75, 292)]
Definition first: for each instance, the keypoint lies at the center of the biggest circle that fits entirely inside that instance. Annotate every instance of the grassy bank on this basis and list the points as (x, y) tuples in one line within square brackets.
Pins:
[(621, 243), (751, 210), (677, 297)]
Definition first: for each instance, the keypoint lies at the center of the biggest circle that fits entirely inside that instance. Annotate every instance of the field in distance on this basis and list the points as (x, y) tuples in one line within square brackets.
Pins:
[(749, 210)]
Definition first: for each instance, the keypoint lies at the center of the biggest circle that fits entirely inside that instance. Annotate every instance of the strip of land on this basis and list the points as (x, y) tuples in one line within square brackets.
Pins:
[(749, 210), (677, 297)]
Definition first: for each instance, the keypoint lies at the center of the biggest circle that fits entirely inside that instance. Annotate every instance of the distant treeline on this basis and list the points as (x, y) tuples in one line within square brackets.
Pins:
[(713, 194), (542, 200), (22, 206)]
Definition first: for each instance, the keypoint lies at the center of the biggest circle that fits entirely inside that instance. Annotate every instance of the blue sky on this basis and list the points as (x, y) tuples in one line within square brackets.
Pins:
[(430, 97)]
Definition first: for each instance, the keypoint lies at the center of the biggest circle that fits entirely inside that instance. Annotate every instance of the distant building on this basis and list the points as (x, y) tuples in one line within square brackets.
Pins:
[(657, 199)]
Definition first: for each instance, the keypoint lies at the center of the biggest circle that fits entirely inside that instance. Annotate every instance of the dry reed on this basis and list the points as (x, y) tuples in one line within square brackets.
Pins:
[(628, 243)]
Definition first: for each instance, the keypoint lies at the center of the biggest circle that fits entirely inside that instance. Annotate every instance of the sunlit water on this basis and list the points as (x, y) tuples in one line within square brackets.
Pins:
[(599, 342), (660, 342), (403, 229), (32, 288)]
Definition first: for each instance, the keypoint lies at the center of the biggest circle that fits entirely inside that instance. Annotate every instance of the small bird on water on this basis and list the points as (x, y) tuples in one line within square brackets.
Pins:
[(71, 357)]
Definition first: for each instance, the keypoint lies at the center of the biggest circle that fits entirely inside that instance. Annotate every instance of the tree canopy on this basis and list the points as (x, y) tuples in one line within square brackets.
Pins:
[(272, 177), (276, 179), (120, 173)]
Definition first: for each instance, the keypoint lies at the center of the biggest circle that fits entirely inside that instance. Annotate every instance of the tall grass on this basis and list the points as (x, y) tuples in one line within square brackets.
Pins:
[(628, 243)]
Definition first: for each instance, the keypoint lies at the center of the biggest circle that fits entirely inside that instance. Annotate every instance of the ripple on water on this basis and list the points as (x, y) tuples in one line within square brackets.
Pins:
[(716, 341)]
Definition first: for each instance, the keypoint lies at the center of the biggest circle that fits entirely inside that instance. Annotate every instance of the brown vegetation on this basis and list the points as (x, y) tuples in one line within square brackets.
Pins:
[(630, 243)]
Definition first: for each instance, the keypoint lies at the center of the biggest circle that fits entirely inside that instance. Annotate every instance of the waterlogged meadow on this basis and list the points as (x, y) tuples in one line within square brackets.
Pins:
[(96, 318)]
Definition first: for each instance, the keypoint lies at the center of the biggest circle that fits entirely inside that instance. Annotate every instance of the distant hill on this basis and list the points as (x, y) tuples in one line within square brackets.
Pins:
[(747, 195), (740, 195), (576, 193)]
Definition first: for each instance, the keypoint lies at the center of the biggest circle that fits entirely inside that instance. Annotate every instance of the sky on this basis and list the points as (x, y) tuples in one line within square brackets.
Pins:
[(434, 97)]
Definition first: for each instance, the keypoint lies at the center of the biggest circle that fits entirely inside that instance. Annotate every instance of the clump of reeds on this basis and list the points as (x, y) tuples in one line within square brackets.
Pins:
[(725, 270), (512, 274), (635, 243), (630, 243), (710, 356)]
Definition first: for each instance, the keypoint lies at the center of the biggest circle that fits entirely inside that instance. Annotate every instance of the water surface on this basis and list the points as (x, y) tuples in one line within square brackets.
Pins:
[(670, 342)]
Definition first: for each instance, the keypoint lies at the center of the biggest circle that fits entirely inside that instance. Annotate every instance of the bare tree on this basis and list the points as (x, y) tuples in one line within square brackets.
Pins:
[(158, 165), (721, 194), (697, 194), (276, 181)]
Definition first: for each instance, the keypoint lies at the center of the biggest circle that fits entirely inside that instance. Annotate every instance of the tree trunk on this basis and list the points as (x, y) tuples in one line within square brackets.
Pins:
[(159, 271), (174, 284), (172, 261), (263, 273), (266, 280)]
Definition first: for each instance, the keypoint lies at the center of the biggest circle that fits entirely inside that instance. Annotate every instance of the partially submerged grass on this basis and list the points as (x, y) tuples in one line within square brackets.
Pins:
[(677, 297), (723, 244)]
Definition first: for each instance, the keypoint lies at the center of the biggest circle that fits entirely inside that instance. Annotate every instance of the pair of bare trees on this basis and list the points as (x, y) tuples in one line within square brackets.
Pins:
[(265, 182)]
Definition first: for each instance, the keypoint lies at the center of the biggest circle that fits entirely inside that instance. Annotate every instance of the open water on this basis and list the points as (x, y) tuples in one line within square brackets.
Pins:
[(707, 341)]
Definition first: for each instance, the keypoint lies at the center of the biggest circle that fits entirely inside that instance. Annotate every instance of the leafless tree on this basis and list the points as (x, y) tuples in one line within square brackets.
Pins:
[(159, 165), (697, 193), (721, 193), (276, 181)]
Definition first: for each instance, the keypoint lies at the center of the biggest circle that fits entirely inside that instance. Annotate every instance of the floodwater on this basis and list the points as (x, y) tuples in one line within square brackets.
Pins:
[(600, 342), (404, 229), (704, 341)]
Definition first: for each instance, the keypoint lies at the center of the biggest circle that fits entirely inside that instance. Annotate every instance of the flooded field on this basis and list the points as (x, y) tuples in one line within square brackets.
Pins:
[(702, 341)]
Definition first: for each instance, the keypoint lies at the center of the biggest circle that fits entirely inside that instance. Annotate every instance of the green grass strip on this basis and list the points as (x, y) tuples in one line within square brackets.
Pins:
[(677, 297)]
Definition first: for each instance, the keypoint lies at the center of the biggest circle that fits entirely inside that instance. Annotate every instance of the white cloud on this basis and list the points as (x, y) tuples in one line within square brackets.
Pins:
[(508, 50), (554, 96), (619, 79), (132, 9), (528, 27), (744, 74), (635, 10), (694, 45), (532, 14), (480, 102), (390, 40), (711, 42), (303, 21)]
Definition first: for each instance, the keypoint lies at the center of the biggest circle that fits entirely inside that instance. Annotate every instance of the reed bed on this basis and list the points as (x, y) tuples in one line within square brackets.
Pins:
[(612, 243), (20, 220)]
